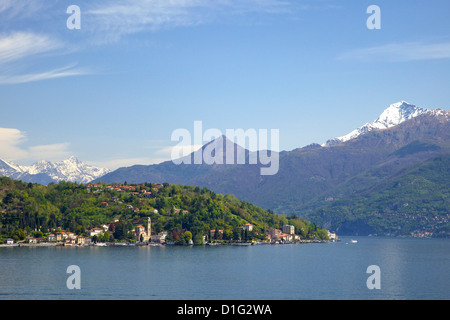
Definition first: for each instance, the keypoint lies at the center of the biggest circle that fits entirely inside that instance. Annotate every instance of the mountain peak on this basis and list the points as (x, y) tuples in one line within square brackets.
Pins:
[(207, 153), (44, 171), (395, 114)]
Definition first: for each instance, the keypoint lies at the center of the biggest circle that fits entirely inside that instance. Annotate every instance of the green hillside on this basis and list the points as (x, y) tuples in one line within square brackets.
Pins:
[(32, 208), (414, 203)]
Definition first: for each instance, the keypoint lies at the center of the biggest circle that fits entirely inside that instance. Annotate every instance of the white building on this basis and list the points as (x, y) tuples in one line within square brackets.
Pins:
[(332, 236), (95, 232), (160, 237), (288, 229)]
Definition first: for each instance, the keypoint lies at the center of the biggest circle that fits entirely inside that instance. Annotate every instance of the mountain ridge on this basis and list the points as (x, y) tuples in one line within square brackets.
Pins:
[(45, 172), (395, 114), (308, 175), (316, 177)]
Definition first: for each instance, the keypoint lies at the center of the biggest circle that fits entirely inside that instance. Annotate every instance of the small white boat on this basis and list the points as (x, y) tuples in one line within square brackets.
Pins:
[(155, 244), (100, 244), (354, 241)]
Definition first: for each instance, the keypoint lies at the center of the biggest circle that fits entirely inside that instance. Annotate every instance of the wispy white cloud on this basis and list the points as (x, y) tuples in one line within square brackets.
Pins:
[(68, 71), (121, 17), (13, 9), (398, 52), (12, 149), (10, 140), (22, 46), (19, 45)]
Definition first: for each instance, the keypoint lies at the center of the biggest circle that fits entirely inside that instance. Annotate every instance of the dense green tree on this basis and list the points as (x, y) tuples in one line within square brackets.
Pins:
[(77, 208)]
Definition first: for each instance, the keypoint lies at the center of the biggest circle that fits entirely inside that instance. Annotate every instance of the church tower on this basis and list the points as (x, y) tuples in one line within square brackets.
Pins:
[(149, 229)]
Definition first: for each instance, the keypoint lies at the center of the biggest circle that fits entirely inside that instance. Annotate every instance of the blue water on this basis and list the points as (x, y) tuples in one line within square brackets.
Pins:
[(409, 269)]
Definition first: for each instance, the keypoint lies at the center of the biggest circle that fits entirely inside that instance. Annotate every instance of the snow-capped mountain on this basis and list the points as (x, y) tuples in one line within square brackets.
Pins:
[(45, 172), (394, 115)]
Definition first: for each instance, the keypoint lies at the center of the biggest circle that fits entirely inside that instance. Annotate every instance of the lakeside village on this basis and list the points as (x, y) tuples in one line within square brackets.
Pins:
[(140, 235)]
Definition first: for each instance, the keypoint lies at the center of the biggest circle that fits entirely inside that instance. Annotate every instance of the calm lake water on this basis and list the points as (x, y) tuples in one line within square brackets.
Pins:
[(410, 269)]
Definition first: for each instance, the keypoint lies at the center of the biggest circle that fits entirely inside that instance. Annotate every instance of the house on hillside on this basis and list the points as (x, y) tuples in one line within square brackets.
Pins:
[(288, 229), (160, 237), (274, 234), (95, 232), (212, 234)]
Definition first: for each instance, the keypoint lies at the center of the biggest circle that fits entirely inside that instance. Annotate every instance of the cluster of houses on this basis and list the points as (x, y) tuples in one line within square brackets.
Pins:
[(286, 234), (144, 234), (422, 234), (70, 238), (124, 188)]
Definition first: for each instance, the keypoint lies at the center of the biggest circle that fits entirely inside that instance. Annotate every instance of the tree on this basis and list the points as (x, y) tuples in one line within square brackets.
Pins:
[(106, 237), (228, 234), (120, 232), (198, 239), (322, 234), (8, 198), (18, 235), (236, 234), (38, 234), (187, 236)]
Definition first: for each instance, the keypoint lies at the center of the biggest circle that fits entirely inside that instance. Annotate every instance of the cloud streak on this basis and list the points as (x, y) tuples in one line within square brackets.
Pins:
[(107, 22), (68, 71), (122, 17), (400, 52), (14, 9), (11, 141), (22, 46)]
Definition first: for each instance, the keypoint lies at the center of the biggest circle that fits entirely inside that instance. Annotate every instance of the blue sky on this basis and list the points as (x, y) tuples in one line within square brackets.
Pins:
[(112, 92)]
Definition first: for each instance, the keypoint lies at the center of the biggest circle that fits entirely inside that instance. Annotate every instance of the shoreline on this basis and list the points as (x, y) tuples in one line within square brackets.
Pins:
[(128, 244)]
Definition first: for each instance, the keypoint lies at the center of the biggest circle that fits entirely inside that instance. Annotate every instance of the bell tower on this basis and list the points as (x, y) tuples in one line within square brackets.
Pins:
[(149, 229)]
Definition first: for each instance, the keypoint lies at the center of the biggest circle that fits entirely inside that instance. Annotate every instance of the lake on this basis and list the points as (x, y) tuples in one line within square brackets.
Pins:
[(409, 269)]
